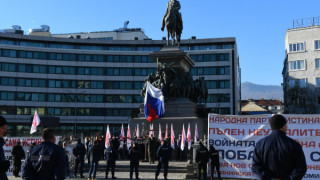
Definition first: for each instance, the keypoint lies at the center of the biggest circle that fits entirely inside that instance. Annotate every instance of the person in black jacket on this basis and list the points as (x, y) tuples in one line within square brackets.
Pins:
[(45, 161), (152, 149), (214, 156), (111, 156), (94, 152), (202, 158), (79, 152), (278, 156), (4, 164), (18, 154), (163, 154), (134, 155)]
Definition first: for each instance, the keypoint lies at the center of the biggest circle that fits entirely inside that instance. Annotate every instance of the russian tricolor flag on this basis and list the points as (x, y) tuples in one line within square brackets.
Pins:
[(153, 103)]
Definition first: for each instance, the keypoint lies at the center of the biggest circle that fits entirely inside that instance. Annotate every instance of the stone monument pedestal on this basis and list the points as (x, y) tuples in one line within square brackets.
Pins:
[(179, 109), (174, 56), (177, 112)]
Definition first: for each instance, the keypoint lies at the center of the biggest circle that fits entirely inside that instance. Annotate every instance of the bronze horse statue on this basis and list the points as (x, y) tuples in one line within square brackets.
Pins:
[(172, 20)]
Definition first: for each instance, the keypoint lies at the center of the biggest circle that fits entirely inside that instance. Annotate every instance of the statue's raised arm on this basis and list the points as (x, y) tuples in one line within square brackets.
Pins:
[(172, 20)]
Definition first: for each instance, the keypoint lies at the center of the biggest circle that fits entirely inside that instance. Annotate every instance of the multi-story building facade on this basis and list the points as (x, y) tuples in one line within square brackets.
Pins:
[(89, 82), (301, 71)]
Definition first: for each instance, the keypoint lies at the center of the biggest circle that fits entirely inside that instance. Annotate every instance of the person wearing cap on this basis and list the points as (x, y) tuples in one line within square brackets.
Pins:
[(45, 161), (79, 152), (4, 164), (277, 156)]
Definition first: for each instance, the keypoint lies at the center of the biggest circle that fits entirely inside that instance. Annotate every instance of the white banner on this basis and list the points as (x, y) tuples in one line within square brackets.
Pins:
[(25, 143), (235, 138)]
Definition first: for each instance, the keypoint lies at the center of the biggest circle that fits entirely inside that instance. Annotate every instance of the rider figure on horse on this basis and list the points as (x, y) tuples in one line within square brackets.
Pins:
[(172, 19)]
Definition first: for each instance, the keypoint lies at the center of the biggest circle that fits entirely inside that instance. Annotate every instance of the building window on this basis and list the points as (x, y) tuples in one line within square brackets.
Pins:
[(297, 65), (318, 82), (317, 63), (317, 44), (299, 82), (296, 47)]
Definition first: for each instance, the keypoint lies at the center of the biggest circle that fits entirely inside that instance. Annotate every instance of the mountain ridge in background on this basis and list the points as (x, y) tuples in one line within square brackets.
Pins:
[(255, 91)]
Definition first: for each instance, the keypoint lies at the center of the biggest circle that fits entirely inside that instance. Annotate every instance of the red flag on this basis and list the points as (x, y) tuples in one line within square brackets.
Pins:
[(189, 136), (108, 136), (137, 132), (121, 136), (128, 137), (166, 135), (172, 137), (160, 133), (35, 123), (196, 136), (152, 132), (183, 140), (122, 133)]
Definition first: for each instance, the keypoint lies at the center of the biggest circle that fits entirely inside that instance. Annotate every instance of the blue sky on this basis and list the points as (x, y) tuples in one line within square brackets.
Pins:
[(258, 25)]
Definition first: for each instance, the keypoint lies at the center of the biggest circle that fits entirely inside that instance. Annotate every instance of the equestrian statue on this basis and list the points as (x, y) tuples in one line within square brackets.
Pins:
[(172, 20)]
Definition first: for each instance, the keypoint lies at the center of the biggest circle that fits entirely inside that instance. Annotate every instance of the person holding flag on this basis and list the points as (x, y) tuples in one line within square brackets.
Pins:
[(35, 123)]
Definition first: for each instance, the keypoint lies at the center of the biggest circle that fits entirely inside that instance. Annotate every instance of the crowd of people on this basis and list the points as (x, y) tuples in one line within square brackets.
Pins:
[(55, 159), (275, 156)]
